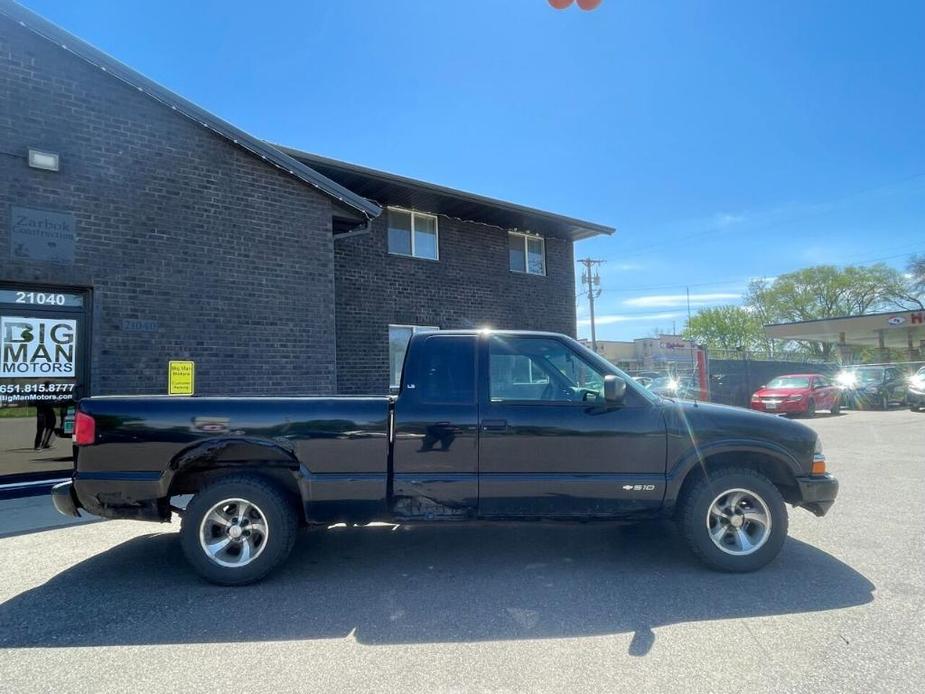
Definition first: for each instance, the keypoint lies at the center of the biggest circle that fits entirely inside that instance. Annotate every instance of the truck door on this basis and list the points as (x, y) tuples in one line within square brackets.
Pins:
[(435, 449), (550, 446)]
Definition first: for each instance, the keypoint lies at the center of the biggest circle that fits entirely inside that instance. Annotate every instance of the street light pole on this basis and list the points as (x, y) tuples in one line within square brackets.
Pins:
[(592, 278)]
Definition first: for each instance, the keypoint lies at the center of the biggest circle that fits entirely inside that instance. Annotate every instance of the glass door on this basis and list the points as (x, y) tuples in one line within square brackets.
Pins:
[(44, 365)]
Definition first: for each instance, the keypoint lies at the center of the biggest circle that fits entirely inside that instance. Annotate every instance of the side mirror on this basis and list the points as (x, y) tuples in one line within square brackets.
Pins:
[(614, 389)]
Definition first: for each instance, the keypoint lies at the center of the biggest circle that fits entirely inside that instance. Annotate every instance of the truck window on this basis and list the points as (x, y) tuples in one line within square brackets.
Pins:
[(539, 369), (445, 370)]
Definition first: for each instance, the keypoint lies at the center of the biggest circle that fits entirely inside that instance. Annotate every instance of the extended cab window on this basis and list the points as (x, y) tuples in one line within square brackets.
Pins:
[(540, 369), (445, 370)]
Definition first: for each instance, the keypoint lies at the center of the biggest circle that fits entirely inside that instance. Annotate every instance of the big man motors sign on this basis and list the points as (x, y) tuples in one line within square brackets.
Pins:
[(37, 347)]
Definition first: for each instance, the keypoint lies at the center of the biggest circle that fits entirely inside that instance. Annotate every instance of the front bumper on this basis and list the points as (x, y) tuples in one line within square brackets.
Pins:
[(65, 500), (783, 407), (817, 493), (916, 398)]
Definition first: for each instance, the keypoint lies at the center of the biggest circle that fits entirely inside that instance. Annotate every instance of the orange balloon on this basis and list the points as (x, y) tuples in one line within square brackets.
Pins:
[(560, 4), (589, 4)]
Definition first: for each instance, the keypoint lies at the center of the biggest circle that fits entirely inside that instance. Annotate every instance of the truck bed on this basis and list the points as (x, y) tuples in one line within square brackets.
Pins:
[(337, 448)]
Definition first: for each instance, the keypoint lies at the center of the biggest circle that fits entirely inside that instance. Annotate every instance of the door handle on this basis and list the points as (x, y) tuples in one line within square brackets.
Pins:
[(494, 424)]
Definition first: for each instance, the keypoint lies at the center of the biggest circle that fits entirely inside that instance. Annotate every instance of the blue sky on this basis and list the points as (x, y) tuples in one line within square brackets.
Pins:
[(724, 140)]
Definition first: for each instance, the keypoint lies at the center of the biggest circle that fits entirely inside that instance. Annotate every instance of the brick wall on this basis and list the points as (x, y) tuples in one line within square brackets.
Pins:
[(230, 256), (469, 286)]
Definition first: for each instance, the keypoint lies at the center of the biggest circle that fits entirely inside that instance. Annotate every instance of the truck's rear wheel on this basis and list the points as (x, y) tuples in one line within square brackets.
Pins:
[(734, 520), (238, 529)]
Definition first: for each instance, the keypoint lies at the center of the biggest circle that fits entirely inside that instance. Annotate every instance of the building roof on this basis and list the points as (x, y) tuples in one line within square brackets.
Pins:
[(898, 328), (392, 189), (270, 154)]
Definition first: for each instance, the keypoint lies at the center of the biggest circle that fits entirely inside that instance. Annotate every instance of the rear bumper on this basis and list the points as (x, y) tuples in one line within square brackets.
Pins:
[(65, 499), (817, 494), (140, 496)]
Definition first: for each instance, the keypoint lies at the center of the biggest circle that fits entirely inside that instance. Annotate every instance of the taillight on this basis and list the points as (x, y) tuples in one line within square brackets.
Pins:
[(84, 429)]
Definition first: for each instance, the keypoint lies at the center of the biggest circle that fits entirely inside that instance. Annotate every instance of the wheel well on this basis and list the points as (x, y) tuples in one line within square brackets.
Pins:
[(191, 479), (771, 467)]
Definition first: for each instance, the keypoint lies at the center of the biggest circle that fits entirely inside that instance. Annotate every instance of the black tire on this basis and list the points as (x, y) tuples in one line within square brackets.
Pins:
[(836, 407), (811, 409), (277, 509), (884, 402), (694, 510)]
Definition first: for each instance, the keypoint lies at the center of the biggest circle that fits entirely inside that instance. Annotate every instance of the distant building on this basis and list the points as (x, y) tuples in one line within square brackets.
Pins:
[(655, 353)]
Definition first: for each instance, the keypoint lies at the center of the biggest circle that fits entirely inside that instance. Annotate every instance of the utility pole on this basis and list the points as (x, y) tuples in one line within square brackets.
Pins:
[(592, 278)]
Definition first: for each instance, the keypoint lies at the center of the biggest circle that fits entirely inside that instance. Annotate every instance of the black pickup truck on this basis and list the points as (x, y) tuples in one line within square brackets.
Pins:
[(486, 425)]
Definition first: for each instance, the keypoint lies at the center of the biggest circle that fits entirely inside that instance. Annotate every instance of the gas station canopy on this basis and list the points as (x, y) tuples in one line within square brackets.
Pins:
[(897, 330)]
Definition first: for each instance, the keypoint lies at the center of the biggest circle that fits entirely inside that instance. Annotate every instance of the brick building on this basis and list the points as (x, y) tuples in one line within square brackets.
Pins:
[(136, 228)]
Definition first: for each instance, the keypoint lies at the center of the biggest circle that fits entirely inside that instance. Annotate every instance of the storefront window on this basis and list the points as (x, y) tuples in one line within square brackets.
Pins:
[(42, 372)]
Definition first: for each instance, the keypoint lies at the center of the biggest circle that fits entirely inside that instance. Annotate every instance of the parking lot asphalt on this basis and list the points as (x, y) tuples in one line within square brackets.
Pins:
[(112, 606)]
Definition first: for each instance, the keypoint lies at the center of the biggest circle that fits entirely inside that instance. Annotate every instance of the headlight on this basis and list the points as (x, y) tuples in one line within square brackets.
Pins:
[(870, 389), (818, 467), (795, 398)]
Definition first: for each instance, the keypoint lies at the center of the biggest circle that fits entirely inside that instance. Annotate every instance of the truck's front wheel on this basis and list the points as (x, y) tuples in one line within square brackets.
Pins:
[(734, 520), (238, 529)]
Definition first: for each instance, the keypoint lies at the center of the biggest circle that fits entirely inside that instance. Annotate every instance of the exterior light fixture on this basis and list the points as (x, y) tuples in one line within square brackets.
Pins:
[(44, 160)]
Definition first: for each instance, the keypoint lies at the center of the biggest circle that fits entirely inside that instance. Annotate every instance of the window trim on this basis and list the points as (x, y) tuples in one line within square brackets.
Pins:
[(526, 236), (415, 213), (414, 330)]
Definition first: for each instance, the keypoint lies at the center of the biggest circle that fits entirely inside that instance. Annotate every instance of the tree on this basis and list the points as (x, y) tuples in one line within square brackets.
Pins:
[(915, 270), (826, 291), (727, 327)]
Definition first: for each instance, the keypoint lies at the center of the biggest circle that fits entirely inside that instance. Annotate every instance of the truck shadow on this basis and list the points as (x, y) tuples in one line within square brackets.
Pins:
[(424, 584)]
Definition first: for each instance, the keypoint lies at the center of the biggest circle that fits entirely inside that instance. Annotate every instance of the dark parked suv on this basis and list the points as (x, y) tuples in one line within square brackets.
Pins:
[(867, 387)]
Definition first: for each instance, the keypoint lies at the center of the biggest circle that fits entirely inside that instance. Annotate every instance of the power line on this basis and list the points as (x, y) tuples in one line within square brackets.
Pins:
[(746, 278), (641, 250), (593, 280)]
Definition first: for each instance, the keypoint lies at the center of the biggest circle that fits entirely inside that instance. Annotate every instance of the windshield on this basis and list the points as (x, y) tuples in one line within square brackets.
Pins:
[(608, 368), (869, 375), (789, 382)]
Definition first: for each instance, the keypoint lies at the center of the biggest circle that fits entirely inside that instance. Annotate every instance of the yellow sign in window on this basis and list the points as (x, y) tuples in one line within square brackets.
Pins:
[(181, 377)]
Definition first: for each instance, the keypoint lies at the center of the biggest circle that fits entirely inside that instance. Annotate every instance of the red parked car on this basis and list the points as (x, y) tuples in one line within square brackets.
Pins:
[(798, 394)]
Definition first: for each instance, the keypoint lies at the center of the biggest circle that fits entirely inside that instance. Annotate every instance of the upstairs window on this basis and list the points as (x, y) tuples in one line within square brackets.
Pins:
[(413, 234), (526, 253)]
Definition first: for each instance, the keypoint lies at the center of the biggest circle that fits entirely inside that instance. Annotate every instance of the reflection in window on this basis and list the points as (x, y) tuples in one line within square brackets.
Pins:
[(413, 233), (539, 369), (526, 253), (445, 372)]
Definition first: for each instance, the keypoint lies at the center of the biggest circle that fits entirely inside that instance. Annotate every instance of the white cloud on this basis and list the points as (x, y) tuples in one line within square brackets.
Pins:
[(672, 300), (725, 219), (610, 319)]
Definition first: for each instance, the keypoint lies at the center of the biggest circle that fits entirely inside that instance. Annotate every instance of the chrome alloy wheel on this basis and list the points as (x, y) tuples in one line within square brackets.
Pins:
[(233, 533), (739, 522)]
